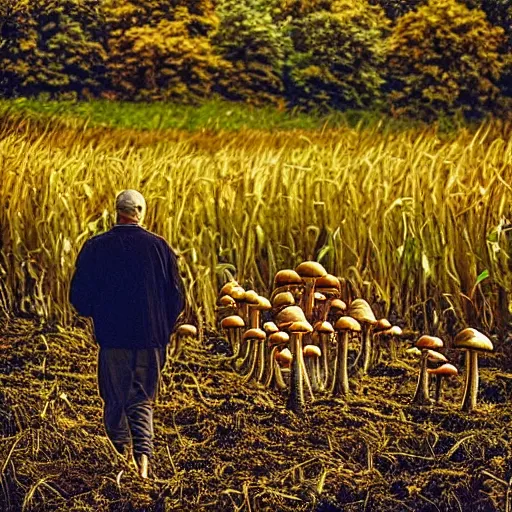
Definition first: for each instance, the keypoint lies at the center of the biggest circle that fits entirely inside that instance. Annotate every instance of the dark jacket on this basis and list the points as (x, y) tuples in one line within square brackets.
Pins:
[(127, 280)]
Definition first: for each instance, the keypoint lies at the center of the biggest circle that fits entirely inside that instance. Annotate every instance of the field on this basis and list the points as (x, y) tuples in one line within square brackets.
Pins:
[(413, 219)]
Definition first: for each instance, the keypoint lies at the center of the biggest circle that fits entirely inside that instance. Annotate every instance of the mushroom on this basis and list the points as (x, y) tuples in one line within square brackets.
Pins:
[(425, 343), (252, 301), (263, 304), (329, 286), (392, 334), (445, 370), (284, 361), (362, 312), (382, 325), (319, 300), (228, 287), (296, 398), (336, 309), (325, 331), (181, 332), (233, 326), (312, 355), (270, 328), (473, 342), (344, 326), (249, 357), (309, 271), (289, 315), (276, 342), (282, 300), (287, 280)]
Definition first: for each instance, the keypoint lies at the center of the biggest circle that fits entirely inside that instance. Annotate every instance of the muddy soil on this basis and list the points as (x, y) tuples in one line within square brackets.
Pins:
[(225, 445)]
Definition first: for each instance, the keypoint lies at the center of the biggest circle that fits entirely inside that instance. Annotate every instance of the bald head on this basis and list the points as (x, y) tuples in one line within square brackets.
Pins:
[(131, 205)]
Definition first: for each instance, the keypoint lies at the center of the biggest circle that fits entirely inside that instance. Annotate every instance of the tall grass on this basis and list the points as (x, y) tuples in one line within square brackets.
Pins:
[(411, 220)]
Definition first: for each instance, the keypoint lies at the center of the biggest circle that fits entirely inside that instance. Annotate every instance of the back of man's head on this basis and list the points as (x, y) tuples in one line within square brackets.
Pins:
[(131, 205)]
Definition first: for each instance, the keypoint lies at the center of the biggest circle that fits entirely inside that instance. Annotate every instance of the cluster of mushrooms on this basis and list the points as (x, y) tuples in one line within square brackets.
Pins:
[(298, 341)]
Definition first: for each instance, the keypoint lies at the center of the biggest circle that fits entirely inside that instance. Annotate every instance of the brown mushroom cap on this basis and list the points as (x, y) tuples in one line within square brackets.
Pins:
[(311, 351), (444, 370), (310, 269), (382, 325), (362, 312), (471, 339), (395, 330), (226, 289), (436, 357), (263, 303), (187, 330), (270, 327), (283, 299), (227, 300), (338, 304), (324, 327), (254, 334), (319, 296), (252, 297), (287, 277), (278, 338), (232, 321), (347, 323), (427, 341), (238, 293), (300, 326), (288, 315), (284, 357), (328, 281)]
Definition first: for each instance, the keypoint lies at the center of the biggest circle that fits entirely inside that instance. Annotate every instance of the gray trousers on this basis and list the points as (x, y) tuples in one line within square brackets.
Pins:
[(128, 384)]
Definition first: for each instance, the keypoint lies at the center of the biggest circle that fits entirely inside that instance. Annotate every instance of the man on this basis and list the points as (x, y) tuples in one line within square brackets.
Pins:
[(127, 280)]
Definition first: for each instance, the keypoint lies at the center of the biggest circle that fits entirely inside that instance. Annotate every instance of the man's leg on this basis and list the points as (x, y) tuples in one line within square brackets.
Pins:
[(114, 383), (139, 408)]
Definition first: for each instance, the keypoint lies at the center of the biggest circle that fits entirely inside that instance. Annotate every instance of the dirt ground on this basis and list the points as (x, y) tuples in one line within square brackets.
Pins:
[(225, 445)]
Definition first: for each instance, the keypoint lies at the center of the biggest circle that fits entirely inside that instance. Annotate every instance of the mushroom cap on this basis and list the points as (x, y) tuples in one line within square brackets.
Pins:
[(284, 357), (347, 323), (413, 351), (254, 334), (288, 315), (436, 357), (238, 293), (226, 289), (283, 299), (310, 269), (227, 300), (444, 370), (328, 281), (338, 304), (287, 277), (270, 327), (300, 327), (382, 324), (319, 296), (263, 303), (187, 330), (311, 351), (278, 338), (252, 297), (232, 321), (427, 341), (362, 312), (471, 339), (395, 330), (324, 327)]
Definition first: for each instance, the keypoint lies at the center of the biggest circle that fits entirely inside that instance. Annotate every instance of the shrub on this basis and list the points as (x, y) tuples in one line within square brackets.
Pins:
[(53, 46), (339, 56), (161, 52), (442, 58), (255, 48), (396, 8)]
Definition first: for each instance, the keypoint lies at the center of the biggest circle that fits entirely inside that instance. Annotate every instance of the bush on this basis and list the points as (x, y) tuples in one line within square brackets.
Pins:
[(442, 58), (394, 9), (52, 46), (255, 48), (161, 52), (339, 56)]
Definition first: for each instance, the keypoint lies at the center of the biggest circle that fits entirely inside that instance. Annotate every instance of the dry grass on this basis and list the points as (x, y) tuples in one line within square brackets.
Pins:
[(409, 219)]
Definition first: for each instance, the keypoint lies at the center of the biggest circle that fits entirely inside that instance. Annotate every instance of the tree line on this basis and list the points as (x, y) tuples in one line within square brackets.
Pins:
[(413, 58)]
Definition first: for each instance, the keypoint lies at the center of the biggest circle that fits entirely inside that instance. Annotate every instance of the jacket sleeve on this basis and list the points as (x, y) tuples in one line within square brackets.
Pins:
[(175, 289), (81, 291)]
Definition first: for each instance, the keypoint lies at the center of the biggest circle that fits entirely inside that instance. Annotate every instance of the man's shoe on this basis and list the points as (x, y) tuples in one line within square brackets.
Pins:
[(142, 461)]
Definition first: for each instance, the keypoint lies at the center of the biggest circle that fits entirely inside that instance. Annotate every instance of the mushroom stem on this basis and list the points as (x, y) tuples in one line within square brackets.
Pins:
[(262, 361), (438, 391), (366, 348), (309, 298), (310, 363), (471, 389), (340, 386), (247, 357), (421, 396), (324, 342), (296, 400), (254, 318)]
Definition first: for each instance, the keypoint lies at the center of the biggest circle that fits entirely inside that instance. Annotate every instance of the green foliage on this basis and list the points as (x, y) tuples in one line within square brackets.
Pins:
[(396, 8), (255, 48), (338, 56), (442, 58), (164, 54), (53, 46)]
